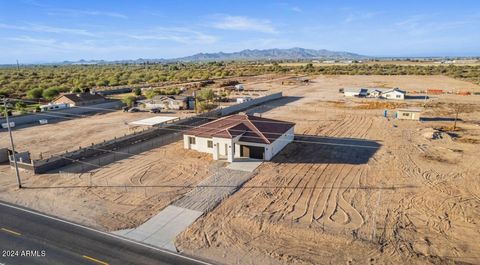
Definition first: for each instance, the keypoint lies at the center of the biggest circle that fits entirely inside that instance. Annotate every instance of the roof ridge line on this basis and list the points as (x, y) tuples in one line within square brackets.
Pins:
[(248, 119)]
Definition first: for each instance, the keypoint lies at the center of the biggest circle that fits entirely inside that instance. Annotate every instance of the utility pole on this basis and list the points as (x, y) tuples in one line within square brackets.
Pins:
[(457, 110), (11, 142)]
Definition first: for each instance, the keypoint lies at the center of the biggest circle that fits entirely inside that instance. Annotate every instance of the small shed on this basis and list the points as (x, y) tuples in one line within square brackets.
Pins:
[(408, 114)]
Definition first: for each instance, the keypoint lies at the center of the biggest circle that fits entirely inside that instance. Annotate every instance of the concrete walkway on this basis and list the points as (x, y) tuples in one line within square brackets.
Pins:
[(248, 165), (162, 229)]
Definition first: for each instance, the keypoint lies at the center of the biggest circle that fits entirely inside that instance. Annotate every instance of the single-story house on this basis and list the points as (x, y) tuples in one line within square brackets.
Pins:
[(170, 102), (374, 93), (240, 136), (408, 114), (355, 92), (79, 99), (54, 106), (394, 93)]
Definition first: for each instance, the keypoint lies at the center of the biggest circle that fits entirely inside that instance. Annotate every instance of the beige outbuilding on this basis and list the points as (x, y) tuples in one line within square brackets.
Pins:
[(408, 114)]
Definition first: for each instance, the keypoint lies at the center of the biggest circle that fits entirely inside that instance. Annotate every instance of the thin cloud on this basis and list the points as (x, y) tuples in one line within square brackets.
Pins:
[(176, 34), (290, 7), (47, 29), (79, 13), (30, 40), (296, 9), (360, 16), (243, 23), (424, 24)]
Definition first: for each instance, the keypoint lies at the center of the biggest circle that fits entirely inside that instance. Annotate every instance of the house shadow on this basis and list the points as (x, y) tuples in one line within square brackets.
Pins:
[(439, 119), (265, 107), (417, 97), (327, 150)]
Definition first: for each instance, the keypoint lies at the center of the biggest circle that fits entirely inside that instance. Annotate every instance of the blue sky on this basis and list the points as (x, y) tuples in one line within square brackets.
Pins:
[(49, 31)]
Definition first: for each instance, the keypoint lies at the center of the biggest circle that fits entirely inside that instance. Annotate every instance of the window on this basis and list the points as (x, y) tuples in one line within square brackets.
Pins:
[(191, 140), (210, 144), (406, 114), (399, 96)]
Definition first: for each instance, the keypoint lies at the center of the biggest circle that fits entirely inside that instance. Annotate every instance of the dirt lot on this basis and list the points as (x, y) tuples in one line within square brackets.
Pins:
[(357, 188), (360, 189), (70, 134), (122, 195)]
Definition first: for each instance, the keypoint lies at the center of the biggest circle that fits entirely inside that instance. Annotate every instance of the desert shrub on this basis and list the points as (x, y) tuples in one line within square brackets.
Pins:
[(129, 100)]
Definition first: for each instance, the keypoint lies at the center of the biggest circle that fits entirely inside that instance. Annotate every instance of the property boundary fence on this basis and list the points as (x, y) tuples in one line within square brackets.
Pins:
[(106, 152), (68, 113)]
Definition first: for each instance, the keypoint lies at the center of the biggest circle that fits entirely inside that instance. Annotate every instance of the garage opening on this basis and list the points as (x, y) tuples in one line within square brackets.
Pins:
[(255, 152)]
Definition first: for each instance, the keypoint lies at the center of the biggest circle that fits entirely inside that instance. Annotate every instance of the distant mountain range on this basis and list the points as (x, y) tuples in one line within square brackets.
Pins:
[(245, 55), (273, 54)]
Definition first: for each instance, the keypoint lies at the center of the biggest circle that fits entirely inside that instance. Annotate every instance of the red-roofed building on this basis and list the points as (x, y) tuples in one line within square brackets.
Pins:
[(240, 136)]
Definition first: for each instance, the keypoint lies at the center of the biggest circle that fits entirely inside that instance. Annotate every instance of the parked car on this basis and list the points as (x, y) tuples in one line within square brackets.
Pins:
[(134, 110), (155, 110)]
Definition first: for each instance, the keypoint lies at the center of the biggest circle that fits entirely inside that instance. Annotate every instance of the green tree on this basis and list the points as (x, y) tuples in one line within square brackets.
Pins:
[(137, 91), (129, 100), (20, 105), (150, 94), (50, 93), (206, 95), (76, 90), (34, 93)]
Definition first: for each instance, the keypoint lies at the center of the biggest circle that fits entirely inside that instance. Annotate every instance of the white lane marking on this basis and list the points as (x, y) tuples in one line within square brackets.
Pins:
[(106, 234)]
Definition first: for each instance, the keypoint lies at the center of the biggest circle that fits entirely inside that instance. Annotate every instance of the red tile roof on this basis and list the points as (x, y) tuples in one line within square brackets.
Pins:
[(251, 128)]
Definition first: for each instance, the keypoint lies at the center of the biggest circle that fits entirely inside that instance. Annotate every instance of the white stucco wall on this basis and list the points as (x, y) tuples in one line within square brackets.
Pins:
[(233, 146), (393, 95), (279, 144), (220, 143), (351, 94), (201, 144)]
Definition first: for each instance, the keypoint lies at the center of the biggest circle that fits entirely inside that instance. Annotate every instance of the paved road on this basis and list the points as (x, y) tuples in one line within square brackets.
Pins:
[(29, 237)]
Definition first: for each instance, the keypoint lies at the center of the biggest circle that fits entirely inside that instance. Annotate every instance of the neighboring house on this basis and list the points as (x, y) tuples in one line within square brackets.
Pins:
[(240, 136), (51, 106), (355, 92), (374, 93), (170, 102), (79, 99), (394, 93), (408, 114)]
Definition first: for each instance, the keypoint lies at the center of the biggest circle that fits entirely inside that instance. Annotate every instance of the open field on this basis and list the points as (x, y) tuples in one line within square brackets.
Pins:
[(359, 189)]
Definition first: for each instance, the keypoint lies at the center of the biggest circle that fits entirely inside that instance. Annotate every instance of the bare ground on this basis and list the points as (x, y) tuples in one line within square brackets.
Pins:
[(70, 134), (121, 195), (414, 200)]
